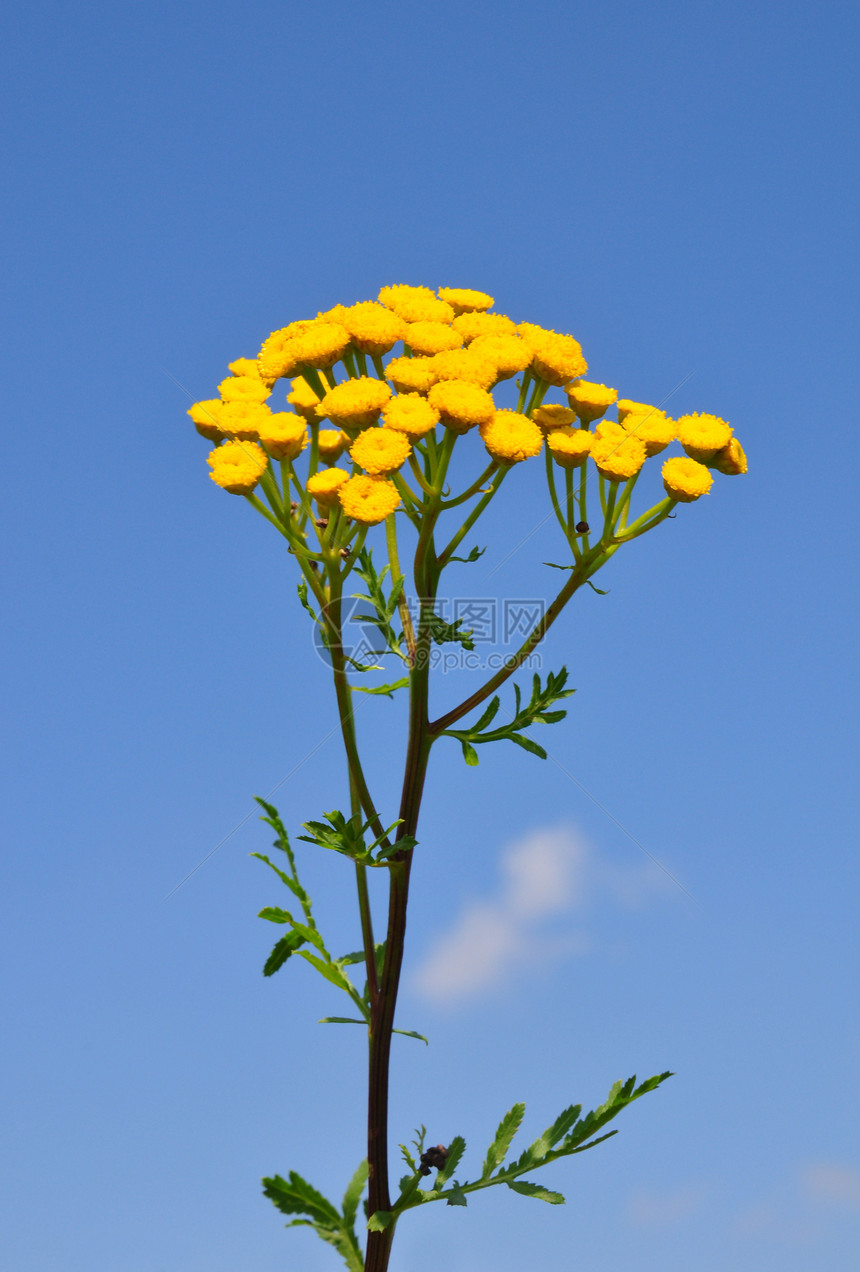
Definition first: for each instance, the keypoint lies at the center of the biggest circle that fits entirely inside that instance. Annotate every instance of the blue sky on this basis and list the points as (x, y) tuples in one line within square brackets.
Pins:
[(676, 186)]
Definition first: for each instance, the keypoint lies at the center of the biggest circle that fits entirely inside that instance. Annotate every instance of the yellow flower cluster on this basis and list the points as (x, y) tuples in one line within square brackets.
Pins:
[(455, 351)]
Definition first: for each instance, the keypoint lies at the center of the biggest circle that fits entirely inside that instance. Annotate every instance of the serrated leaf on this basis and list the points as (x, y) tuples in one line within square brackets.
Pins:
[(554, 1133), (275, 914), (408, 1158), (528, 744), (379, 1221), (295, 1196), (456, 1197), (328, 970), (487, 717), (473, 556), (535, 1190), (470, 755), (456, 1149), (498, 1150), (281, 952), (410, 1033), (352, 1196), (387, 690)]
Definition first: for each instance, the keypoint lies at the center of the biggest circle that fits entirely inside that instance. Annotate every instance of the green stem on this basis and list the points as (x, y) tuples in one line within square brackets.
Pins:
[(473, 516), (524, 388), (550, 481), (396, 574), (474, 489), (577, 577)]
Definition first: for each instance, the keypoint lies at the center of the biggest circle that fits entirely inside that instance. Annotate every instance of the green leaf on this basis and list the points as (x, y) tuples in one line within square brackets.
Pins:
[(379, 1221), (352, 1196), (535, 1190), (340, 1020), (456, 1197), (283, 949), (295, 1196), (474, 555), (528, 745), (309, 934), (329, 971), (302, 590), (410, 1033), (275, 915), (488, 716), (470, 755), (388, 690), (561, 567), (554, 1133), (507, 1129), (456, 1149), (443, 633), (599, 590)]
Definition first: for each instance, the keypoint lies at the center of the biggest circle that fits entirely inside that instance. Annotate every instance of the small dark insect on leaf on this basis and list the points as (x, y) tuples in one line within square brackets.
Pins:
[(433, 1159)]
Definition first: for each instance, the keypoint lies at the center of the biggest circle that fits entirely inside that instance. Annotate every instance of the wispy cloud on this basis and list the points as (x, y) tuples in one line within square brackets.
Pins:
[(548, 873), (832, 1181), (659, 1209)]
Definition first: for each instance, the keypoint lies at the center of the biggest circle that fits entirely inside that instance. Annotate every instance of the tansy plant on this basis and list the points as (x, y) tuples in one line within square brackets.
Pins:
[(382, 395)]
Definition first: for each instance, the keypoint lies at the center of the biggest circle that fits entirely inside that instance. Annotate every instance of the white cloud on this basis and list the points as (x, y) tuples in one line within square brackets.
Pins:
[(548, 873), (832, 1181), (659, 1209)]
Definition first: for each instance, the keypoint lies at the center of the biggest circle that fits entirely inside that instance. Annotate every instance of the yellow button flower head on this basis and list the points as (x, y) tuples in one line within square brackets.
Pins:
[(380, 451), (610, 428), (303, 400), (411, 375), (509, 353), (702, 436), (374, 329), (555, 358), (511, 437), (324, 485), (618, 458), (237, 466), (336, 314), (472, 325), (369, 499), (462, 364), (570, 447), (626, 407), (431, 337), (590, 401), (243, 419), (284, 435), (244, 366), (731, 460), (243, 388), (655, 429), (332, 443), (321, 345), (206, 417), (276, 356), (355, 404), (415, 304), (461, 299), (461, 405), (686, 479), (553, 416), (410, 414)]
